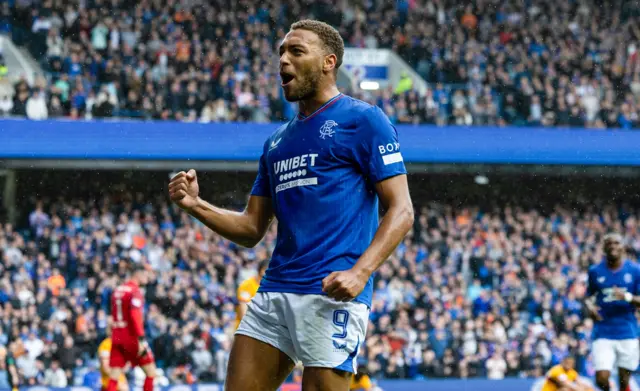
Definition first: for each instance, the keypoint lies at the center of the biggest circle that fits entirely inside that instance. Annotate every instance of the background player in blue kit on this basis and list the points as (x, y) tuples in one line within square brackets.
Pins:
[(613, 290), (321, 175)]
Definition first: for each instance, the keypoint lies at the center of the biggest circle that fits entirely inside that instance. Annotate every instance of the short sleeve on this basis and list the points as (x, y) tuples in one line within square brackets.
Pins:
[(136, 301), (554, 373), (573, 375), (377, 149), (104, 351), (261, 185)]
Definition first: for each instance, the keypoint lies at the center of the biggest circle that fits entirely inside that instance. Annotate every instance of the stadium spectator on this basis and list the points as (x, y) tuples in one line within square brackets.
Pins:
[(54, 376), (6, 105), (538, 64), (496, 366), (36, 107)]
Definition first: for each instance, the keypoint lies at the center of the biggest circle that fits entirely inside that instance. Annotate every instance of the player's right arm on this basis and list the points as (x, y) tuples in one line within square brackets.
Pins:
[(245, 228), (590, 298), (137, 321)]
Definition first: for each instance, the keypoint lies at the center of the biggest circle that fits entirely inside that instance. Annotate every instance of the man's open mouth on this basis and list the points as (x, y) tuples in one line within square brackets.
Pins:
[(286, 78)]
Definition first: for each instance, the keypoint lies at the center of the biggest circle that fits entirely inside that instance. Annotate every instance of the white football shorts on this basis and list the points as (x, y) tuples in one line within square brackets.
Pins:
[(313, 329), (610, 354)]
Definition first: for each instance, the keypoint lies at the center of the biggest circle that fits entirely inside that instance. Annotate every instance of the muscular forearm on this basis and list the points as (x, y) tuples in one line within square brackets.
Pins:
[(394, 226), (234, 226)]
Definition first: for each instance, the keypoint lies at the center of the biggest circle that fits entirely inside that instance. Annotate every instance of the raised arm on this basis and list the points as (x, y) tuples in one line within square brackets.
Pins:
[(245, 228)]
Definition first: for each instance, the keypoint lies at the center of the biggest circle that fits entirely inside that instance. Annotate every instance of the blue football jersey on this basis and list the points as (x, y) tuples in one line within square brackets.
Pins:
[(618, 317), (320, 173)]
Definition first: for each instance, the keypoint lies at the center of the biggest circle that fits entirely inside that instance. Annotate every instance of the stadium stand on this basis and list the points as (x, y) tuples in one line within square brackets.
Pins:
[(542, 63), (489, 282)]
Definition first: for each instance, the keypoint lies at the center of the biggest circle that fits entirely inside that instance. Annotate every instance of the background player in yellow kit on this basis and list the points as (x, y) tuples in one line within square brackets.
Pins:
[(104, 352), (563, 377), (247, 289), (361, 381)]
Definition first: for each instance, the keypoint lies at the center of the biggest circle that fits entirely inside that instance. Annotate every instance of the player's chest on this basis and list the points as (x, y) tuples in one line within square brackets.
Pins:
[(299, 151), (606, 283)]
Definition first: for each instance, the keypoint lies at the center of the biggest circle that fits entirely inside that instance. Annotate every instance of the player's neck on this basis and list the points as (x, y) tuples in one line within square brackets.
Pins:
[(614, 264), (309, 106)]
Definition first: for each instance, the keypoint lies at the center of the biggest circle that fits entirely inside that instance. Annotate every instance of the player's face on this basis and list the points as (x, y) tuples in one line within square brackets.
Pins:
[(301, 64), (613, 249), (568, 363), (142, 278)]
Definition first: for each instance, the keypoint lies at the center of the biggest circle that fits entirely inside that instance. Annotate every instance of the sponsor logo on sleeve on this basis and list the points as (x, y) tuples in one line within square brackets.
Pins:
[(390, 153)]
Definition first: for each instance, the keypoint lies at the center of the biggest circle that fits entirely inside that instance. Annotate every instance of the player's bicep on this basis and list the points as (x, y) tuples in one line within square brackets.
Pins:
[(260, 212), (394, 192), (378, 147)]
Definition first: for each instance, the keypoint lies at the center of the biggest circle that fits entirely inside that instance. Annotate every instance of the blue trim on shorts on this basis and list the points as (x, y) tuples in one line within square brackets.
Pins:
[(347, 365)]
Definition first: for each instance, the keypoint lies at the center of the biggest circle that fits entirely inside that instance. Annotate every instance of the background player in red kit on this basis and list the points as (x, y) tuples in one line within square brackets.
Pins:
[(129, 345)]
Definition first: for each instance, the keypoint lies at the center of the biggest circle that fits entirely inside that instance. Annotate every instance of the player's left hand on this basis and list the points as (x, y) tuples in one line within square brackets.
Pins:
[(618, 293), (344, 285)]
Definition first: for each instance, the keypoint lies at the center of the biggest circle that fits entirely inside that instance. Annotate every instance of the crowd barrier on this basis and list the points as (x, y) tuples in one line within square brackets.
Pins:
[(509, 384), (137, 140)]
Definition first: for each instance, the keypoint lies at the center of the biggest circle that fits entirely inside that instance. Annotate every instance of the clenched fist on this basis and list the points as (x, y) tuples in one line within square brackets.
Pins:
[(184, 190), (344, 285)]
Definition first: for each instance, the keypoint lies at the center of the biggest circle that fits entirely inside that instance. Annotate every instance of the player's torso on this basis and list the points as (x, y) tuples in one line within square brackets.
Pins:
[(315, 182), (326, 208), (619, 320), (121, 308)]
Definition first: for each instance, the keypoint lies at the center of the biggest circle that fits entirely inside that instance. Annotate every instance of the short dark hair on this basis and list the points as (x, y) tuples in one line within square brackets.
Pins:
[(329, 36), (138, 267)]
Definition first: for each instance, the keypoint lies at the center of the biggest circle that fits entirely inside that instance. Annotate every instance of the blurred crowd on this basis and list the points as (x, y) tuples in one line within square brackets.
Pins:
[(491, 291), (488, 62)]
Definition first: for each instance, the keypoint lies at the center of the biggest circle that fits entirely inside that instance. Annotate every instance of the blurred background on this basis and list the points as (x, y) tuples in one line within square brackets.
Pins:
[(517, 120)]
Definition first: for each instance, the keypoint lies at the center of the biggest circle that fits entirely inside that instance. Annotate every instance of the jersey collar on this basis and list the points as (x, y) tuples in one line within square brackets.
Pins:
[(302, 117), (622, 265)]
